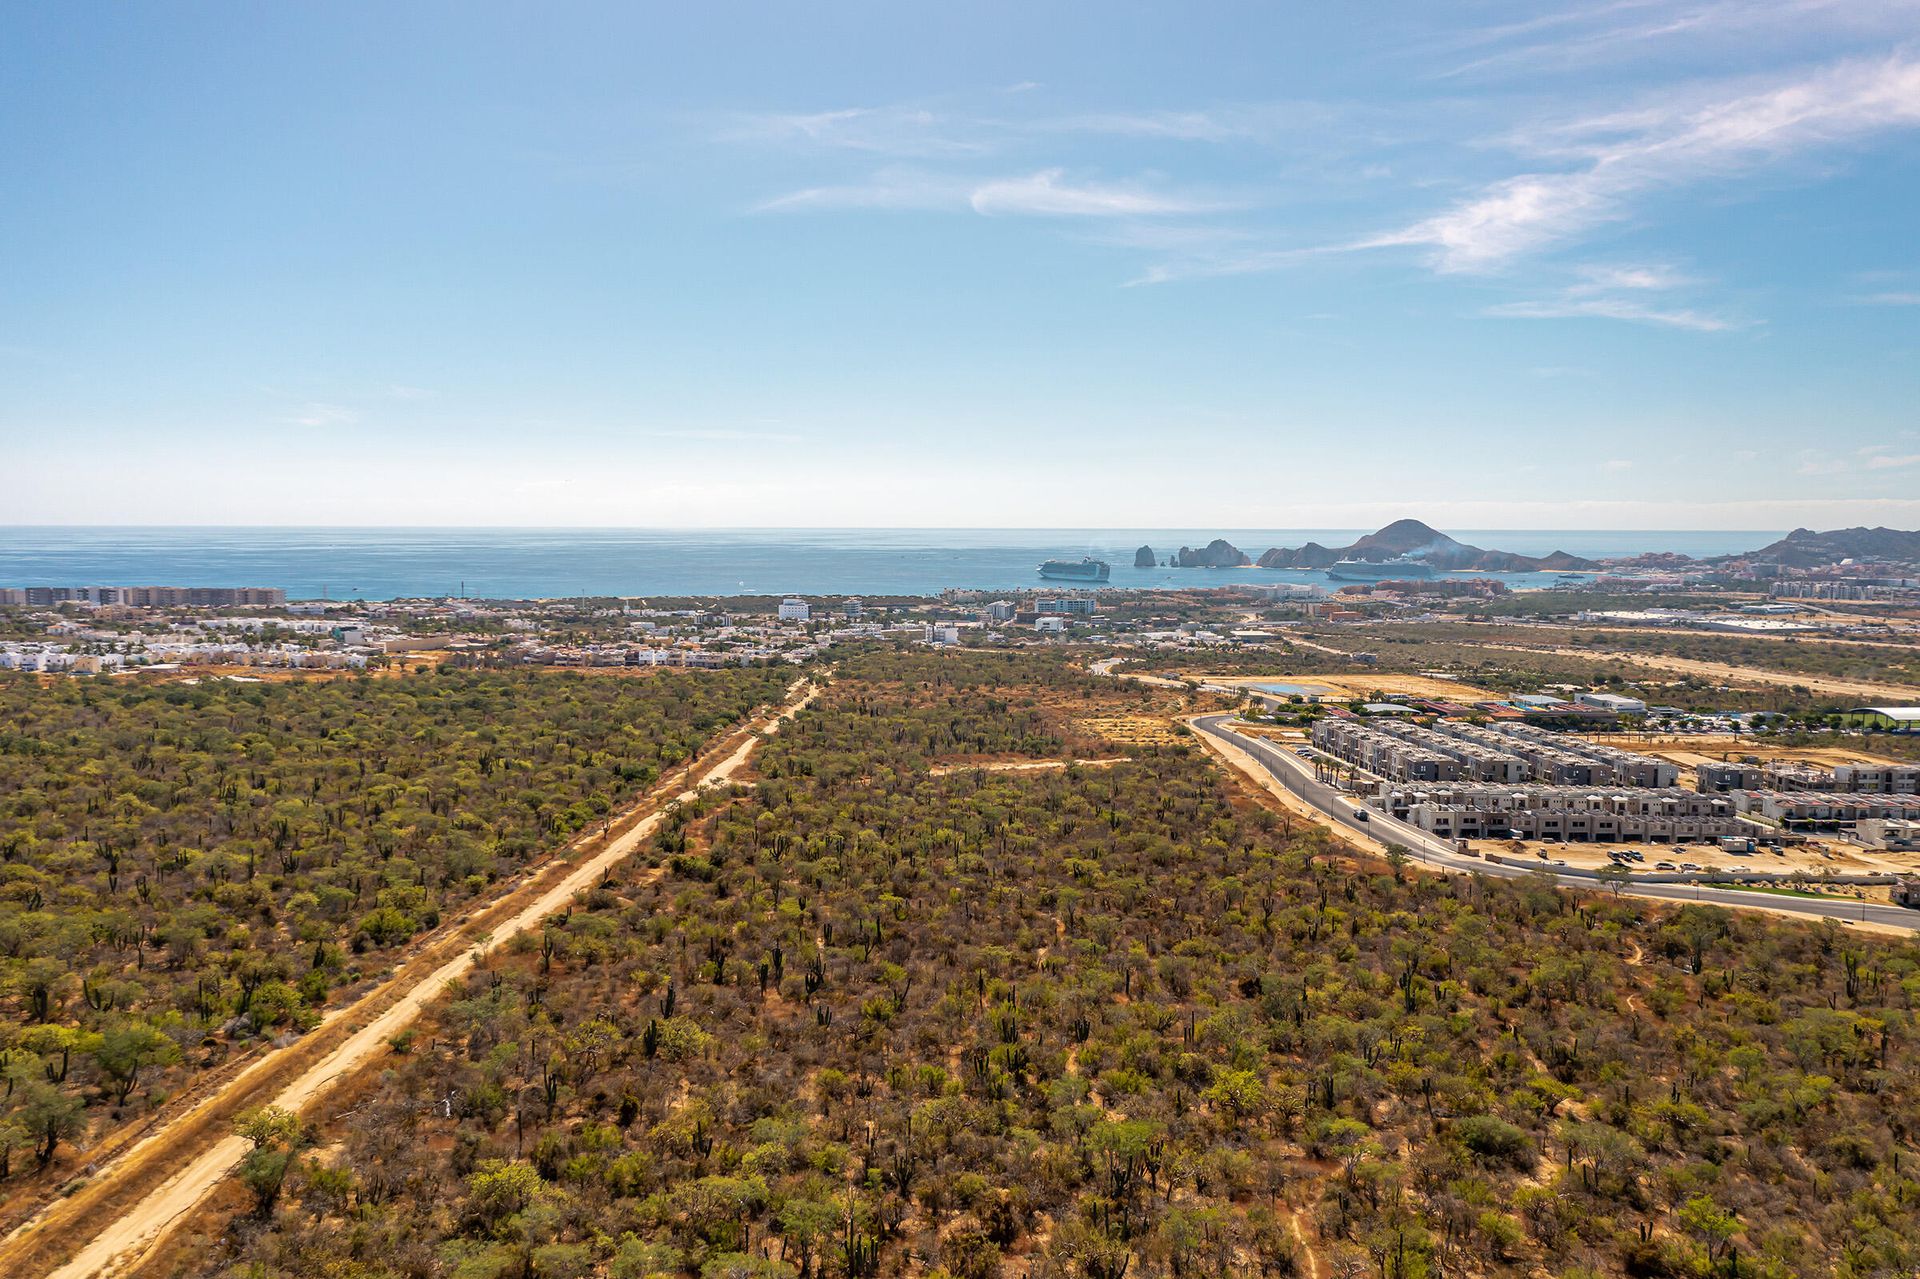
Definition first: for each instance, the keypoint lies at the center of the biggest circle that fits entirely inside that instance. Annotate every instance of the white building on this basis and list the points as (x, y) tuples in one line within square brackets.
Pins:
[(942, 633), (1611, 702), (1050, 624), (793, 609)]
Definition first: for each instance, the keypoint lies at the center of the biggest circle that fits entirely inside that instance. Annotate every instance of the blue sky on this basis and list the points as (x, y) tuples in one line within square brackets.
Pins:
[(1638, 264)]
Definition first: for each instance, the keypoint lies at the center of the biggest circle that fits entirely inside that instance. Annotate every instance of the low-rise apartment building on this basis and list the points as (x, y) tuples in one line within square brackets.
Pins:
[(1563, 813)]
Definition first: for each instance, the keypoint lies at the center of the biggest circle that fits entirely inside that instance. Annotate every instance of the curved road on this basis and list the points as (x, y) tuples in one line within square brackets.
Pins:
[(1339, 807)]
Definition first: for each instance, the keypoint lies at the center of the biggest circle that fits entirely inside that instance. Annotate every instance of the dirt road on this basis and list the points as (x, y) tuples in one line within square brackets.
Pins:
[(1868, 690), (1024, 766), (125, 1237)]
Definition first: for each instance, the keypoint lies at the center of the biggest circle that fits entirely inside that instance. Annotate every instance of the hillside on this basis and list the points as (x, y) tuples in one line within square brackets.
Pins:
[(1804, 548), (1415, 540)]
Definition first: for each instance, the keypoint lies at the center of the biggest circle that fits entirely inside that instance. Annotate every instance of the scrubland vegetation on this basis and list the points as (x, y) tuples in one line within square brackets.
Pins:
[(187, 867), (1824, 655), (856, 1019)]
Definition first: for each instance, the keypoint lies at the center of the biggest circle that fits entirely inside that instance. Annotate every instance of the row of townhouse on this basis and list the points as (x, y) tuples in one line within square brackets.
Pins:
[(1564, 813), (1607, 765), (54, 658), (1825, 809), (1452, 750), (1857, 778), (1383, 753)]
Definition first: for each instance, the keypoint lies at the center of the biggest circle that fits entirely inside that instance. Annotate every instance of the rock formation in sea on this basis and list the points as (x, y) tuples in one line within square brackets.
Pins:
[(1219, 553)]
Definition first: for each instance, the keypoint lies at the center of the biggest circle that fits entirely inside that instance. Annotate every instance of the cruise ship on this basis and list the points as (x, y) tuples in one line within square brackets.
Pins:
[(1086, 570), (1400, 570)]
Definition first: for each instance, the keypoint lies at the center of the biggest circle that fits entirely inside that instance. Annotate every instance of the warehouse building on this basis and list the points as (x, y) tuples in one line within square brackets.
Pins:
[(1884, 719)]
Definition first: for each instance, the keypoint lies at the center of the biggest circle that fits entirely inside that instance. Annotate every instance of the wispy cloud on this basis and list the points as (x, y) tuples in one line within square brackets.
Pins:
[(1889, 299), (325, 415), (1618, 291), (1590, 34), (723, 434), (1631, 154), (1600, 277), (1871, 457), (896, 189), (905, 130), (1610, 308), (952, 128), (1047, 193)]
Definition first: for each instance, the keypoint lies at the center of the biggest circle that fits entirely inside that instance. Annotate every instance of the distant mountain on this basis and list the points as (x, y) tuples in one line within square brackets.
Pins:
[(1219, 553), (1413, 540), (1804, 548)]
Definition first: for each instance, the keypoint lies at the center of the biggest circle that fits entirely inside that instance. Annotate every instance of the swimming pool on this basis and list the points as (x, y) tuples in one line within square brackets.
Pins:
[(1292, 690)]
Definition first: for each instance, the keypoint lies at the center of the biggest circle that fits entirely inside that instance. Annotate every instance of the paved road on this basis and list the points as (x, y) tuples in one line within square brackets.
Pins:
[(1297, 776)]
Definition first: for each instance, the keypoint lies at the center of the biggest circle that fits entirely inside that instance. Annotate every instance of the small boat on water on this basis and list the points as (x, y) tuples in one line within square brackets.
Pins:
[(1082, 570)]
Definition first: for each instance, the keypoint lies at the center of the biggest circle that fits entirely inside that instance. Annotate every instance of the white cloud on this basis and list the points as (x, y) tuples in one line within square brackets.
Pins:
[(892, 189), (1595, 278), (1871, 457), (1591, 34), (726, 434), (1630, 154), (1047, 193), (1889, 299), (325, 415), (902, 130), (1570, 307)]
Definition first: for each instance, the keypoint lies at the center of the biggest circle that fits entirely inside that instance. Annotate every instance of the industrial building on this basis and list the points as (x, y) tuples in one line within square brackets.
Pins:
[(1884, 719), (1611, 702)]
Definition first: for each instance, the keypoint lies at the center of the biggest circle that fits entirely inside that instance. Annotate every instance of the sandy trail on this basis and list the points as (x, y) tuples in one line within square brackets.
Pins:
[(119, 1248), (1024, 766)]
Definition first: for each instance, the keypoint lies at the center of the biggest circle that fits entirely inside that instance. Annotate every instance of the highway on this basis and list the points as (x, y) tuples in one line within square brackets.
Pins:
[(1297, 776)]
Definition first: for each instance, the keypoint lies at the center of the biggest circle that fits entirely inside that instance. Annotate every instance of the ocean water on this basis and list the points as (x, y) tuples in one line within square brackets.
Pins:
[(518, 563)]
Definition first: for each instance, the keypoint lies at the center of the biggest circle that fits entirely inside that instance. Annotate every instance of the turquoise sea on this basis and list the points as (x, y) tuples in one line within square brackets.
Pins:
[(520, 563)]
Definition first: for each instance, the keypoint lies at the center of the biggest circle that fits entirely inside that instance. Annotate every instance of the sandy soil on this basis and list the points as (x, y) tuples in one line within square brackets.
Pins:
[(1868, 691), (1352, 687), (1713, 749), (1023, 766), (1835, 855), (127, 1237)]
